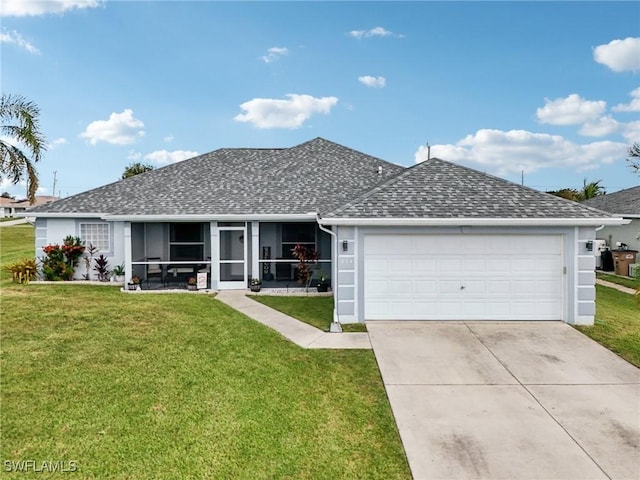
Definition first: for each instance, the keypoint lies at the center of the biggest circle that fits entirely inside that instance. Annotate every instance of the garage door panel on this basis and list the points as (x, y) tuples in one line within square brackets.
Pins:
[(376, 265), (499, 287), (428, 264), (426, 287), (546, 264), (451, 265), (400, 265), (505, 277), (498, 265)]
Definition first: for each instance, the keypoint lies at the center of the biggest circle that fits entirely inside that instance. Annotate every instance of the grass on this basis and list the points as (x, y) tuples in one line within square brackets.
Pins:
[(617, 324), (179, 386), (316, 311), (624, 281)]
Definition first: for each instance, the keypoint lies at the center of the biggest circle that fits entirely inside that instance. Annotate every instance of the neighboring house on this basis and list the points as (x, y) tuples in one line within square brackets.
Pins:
[(436, 241), (625, 204), (10, 207)]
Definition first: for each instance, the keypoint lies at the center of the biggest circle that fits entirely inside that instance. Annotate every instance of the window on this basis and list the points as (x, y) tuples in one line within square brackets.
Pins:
[(292, 233), (96, 234), (186, 242)]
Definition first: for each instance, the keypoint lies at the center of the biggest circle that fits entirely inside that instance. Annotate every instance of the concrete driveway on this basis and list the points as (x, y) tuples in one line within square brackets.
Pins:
[(509, 400)]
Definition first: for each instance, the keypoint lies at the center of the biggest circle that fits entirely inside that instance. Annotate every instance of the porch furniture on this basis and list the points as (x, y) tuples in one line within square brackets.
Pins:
[(283, 271), (154, 269)]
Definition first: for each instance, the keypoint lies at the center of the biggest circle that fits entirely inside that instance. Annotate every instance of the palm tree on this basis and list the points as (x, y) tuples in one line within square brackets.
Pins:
[(591, 189), (20, 123)]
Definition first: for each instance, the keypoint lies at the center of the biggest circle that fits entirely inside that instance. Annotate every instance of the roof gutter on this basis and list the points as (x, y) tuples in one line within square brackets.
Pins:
[(524, 222), (298, 217), (335, 325)]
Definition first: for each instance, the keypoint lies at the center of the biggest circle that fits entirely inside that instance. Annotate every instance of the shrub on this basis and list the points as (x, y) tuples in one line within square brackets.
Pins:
[(61, 260), (101, 268), (23, 271)]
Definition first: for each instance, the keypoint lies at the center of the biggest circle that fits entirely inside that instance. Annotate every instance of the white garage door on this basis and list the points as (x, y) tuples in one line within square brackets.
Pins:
[(463, 277)]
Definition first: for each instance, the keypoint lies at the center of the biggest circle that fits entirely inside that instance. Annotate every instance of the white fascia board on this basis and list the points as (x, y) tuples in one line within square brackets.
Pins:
[(521, 222), (61, 215), (208, 218)]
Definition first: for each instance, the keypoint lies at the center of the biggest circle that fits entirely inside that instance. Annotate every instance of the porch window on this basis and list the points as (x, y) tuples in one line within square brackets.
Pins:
[(293, 233), (186, 241), (96, 234)]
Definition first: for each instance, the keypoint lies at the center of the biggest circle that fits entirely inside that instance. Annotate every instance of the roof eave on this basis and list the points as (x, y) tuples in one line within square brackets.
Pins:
[(524, 222), (32, 214), (213, 217)]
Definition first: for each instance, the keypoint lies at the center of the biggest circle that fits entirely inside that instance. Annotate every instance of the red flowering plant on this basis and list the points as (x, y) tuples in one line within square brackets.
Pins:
[(61, 260)]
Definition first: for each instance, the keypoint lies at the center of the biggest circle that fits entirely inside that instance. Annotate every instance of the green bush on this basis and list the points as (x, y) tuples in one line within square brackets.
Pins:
[(61, 260)]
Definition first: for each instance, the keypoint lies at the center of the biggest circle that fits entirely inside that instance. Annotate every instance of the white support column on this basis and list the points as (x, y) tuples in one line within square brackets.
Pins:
[(128, 268), (255, 250), (215, 256)]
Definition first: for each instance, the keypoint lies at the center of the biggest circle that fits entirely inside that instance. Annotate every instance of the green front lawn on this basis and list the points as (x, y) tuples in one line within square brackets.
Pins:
[(179, 386), (624, 281), (316, 311), (617, 324)]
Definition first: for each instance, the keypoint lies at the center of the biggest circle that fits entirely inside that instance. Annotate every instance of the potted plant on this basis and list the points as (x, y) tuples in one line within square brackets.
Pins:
[(118, 273), (134, 283), (255, 284), (323, 283), (192, 283)]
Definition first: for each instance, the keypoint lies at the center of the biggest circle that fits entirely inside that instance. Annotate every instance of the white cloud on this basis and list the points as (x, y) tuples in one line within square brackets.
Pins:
[(290, 113), (374, 82), (134, 156), (619, 55), (120, 129), (163, 157), (373, 32), (169, 138), (510, 152), (22, 8), (601, 127), (631, 131), (14, 37), (633, 106), (274, 53), (572, 110), (58, 142)]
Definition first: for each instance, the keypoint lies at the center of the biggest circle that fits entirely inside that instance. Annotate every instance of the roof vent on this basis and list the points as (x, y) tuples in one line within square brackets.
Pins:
[(380, 170)]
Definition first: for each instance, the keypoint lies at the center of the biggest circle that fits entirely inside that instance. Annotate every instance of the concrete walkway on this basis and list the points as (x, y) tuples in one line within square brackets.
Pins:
[(10, 223), (509, 400), (621, 288), (298, 332)]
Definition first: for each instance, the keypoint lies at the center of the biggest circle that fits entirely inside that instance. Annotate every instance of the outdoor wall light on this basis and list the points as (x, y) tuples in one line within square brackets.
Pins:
[(590, 245), (345, 246)]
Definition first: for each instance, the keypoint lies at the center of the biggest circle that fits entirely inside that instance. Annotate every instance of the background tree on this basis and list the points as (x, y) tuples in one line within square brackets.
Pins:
[(567, 193), (20, 123), (591, 189), (7, 195), (135, 169), (588, 190), (633, 158)]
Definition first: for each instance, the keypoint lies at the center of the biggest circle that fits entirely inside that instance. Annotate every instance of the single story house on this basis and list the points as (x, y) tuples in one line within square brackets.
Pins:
[(436, 241), (625, 204), (10, 207)]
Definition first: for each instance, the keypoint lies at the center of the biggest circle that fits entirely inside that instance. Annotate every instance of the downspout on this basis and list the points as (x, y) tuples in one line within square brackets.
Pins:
[(335, 325)]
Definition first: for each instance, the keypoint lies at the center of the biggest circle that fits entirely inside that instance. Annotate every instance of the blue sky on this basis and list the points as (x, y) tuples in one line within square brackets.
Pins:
[(551, 89)]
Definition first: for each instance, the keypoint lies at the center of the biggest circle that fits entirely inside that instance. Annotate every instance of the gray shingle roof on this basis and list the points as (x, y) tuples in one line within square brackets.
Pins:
[(315, 175), (439, 189), (624, 202)]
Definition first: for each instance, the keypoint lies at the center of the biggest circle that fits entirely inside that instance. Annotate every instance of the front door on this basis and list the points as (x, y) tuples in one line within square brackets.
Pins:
[(233, 255)]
